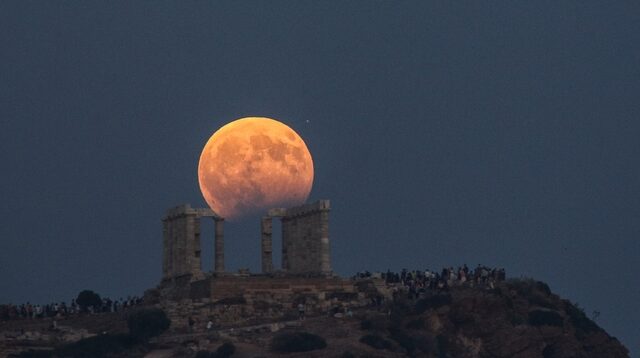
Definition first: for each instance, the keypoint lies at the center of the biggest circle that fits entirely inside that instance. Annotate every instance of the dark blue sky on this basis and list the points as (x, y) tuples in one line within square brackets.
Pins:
[(501, 133)]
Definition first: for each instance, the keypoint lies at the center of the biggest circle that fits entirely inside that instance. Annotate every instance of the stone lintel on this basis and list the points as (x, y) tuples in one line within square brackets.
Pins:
[(208, 213), (179, 211), (320, 205), (187, 210), (277, 212)]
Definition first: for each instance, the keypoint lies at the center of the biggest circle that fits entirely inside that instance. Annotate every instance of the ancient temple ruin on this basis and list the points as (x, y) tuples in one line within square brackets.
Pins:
[(305, 241), (226, 298), (181, 241)]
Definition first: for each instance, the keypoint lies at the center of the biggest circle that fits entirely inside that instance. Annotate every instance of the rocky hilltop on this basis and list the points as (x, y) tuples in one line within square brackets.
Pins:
[(513, 318), (517, 318)]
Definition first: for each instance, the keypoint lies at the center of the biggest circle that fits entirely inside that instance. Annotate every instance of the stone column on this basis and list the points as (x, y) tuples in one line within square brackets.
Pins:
[(286, 242), (219, 246), (266, 226), (325, 250), (196, 260), (191, 246)]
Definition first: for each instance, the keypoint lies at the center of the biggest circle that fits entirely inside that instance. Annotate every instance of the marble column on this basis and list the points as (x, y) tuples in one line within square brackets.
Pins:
[(266, 226), (325, 249), (219, 246)]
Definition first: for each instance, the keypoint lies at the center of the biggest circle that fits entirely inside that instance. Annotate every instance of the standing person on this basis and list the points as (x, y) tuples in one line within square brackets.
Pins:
[(191, 323), (301, 311), (209, 325)]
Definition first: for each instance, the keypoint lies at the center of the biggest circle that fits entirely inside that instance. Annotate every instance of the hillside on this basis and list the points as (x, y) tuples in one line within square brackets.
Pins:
[(516, 318)]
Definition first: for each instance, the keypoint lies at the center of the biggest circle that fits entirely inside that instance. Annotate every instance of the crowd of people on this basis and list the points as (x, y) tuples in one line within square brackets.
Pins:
[(417, 281), (62, 309), (414, 282)]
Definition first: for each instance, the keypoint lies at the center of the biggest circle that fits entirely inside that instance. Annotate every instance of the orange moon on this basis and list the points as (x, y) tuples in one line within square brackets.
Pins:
[(254, 164)]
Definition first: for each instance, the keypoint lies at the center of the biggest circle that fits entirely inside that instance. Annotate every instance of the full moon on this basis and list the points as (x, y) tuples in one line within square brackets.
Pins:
[(253, 164)]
